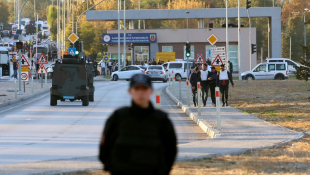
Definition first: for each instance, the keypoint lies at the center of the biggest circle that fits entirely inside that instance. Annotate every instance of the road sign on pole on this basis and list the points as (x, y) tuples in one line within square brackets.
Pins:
[(42, 70), (72, 51), (42, 59), (200, 59), (25, 76), (73, 38)]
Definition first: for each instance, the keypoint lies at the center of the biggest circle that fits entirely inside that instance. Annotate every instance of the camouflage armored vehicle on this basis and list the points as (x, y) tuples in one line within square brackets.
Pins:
[(71, 80)]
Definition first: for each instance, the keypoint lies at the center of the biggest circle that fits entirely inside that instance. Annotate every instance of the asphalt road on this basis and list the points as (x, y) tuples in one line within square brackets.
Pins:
[(33, 131)]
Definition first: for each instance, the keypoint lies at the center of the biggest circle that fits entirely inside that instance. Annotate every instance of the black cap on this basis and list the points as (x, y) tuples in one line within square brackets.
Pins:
[(140, 79)]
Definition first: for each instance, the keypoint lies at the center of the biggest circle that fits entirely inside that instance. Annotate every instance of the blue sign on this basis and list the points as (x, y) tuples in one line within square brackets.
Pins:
[(106, 58), (71, 51), (108, 38)]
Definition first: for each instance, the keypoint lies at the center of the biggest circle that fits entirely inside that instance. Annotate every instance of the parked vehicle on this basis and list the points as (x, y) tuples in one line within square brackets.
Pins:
[(127, 72), (5, 33), (267, 71), (157, 73), (289, 62), (178, 68)]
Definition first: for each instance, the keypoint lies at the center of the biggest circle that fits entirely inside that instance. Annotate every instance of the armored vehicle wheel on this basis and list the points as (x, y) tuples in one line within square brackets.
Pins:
[(71, 100), (85, 101), (91, 98), (53, 100)]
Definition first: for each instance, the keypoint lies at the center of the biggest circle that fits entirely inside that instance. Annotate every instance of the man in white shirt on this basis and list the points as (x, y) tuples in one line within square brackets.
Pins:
[(110, 67), (204, 84), (223, 79), (103, 68)]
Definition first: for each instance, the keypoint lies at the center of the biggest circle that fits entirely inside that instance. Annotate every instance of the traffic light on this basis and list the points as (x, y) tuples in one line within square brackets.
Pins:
[(77, 47), (248, 4), (188, 50), (253, 50)]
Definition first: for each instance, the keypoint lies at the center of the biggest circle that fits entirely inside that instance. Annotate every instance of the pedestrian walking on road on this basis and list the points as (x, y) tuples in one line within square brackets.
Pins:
[(230, 66), (95, 67), (212, 77), (14, 68), (103, 68), (110, 67), (194, 79), (223, 79), (204, 84), (138, 140)]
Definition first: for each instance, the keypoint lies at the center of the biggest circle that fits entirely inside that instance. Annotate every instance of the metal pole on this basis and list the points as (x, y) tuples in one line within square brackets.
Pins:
[(173, 82), (239, 40), (227, 37), (58, 32), (187, 90), (20, 92), (63, 25), (31, 84), (198, 96), (124, 35), (187, 67), (18, 7), (72, 3), (290, 47), (180, 89), (218, 109), (15, 88), (158, 100), (250, 39), (139, 19), (132, 54), (118, 35), (305, 35), (261, 55)]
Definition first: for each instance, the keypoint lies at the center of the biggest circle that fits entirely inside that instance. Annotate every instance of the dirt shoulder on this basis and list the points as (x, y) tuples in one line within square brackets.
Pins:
[(285, 103)]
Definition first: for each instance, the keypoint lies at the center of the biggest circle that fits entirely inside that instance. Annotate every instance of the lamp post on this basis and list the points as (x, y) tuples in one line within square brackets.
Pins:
[(290, 44), (118, 35), (187, 13), (124, 60), (250, 39), (305, 29), (227, 37), (239, 44)]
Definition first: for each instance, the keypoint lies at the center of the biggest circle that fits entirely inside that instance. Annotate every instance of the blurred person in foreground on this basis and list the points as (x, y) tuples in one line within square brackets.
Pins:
[(138, 140)]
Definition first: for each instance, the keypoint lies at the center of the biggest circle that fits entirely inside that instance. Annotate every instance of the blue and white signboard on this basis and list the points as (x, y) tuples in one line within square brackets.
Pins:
[(106, 58), (108, 38), (72, 51)]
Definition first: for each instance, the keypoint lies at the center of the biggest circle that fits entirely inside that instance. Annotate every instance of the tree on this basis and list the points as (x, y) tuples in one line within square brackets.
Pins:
[(4, 17), (87, 35), (51, 20), (303, 72)]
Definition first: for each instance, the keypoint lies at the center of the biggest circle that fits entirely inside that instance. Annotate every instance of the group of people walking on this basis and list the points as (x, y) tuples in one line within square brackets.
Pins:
[(210, 80)]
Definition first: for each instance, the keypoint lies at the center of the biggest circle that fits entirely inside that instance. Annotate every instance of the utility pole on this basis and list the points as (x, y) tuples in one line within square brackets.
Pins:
[(119, 41), (227, 36), (124, 35), (239, 44), (250, 40)]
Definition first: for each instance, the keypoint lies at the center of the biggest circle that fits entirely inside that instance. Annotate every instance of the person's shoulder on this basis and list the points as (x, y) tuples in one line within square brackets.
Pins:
[(161, 115), (120, 112)]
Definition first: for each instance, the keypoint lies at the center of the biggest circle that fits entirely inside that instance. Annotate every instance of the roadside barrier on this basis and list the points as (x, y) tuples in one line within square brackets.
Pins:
[(173, 82), (158, 100), (199, 98), (15, 88), (187, 90), (180, 87), (218, 109), (169, 80)]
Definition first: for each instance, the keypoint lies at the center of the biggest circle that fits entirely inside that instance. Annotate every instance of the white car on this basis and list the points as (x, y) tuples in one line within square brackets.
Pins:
[(127, 72), (289, 62), (267, 71)]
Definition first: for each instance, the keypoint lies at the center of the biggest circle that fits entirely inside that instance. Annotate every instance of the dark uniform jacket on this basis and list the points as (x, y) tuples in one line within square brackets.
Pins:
[(15, 65), (194, 79), (220, 82), (138, 141), (213, 75)]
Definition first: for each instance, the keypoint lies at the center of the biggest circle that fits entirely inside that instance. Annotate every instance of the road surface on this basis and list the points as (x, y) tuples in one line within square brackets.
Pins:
[(32, 131)]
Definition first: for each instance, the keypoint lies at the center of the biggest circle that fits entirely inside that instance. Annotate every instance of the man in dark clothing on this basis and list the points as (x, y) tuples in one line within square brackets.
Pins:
[(212, 77), (204, 83), (138, 140), (14, 68), (223, 78), (209, 62), (231, 68), (194, 79)]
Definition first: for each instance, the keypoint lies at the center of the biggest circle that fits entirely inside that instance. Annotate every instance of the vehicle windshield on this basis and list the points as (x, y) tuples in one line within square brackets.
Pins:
[(155, 68)]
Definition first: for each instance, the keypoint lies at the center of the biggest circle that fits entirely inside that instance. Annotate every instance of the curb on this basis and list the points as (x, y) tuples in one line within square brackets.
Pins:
[(202, 124), (24, 98)]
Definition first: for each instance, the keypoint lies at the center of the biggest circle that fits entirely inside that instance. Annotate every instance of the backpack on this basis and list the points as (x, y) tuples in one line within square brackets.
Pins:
[(138, 148)]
